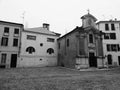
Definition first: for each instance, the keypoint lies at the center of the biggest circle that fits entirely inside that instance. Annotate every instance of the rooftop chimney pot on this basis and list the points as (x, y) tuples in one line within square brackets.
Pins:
[(45, 25)]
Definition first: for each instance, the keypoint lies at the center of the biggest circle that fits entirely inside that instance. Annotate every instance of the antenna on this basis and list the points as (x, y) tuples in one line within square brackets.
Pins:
[(23, 17), (111, 17), (26, 24), (103, 17), (66, 31)]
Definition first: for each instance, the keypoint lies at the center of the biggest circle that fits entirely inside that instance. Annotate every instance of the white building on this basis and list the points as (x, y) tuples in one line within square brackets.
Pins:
[(10, 35), (38, 47), (111, 41)]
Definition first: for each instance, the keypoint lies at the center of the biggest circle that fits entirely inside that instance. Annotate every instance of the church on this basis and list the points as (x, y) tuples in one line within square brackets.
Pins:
[(82, 47)]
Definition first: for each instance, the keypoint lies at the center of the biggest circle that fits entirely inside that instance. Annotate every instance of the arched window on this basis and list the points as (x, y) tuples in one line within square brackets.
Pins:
[(50, 50), (30, 50)]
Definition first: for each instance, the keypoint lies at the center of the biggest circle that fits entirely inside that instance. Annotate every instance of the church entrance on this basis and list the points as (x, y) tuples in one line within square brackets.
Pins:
[(92, 60)]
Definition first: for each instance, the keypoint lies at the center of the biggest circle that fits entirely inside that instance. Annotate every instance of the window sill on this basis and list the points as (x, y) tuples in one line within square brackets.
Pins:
[(15, 46), (16, 35), (3, 46), (1, 64), (6, 34)]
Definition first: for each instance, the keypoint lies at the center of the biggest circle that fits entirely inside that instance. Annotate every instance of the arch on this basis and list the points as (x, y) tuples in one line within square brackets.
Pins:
[(109, 57), (50, 50), (30, 49)]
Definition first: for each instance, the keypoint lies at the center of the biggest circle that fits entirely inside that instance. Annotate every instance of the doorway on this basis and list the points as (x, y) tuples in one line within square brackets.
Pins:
[(92, 60), (13, 60), (109, 57), (119, 60)]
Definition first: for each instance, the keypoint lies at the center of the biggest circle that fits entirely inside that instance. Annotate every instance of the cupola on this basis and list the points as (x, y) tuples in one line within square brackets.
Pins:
[(88, 20)]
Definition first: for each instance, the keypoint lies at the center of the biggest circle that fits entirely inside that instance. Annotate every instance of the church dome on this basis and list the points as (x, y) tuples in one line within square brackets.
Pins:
[(89, 16), (88, 20)]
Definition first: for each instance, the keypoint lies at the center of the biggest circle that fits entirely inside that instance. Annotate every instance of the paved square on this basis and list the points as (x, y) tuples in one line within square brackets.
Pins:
[(58, 78)]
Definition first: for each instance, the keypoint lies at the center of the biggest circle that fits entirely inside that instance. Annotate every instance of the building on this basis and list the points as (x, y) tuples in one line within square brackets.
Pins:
[(82, 47), (38, 47), (111, 41), (10, 34)]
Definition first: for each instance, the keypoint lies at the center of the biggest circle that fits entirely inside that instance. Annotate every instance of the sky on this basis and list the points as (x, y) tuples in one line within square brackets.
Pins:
[(62, 15)]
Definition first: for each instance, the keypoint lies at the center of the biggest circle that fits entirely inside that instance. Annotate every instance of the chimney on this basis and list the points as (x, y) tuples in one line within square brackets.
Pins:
[(45, 25), (115, 19)]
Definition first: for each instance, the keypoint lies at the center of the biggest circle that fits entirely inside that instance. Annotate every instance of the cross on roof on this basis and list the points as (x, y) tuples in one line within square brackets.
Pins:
[(88, 11)]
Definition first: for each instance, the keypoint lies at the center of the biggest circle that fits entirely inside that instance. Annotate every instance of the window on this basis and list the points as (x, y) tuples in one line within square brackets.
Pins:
[(4, 41), (112, 27), (59, 45), (41, 44), (15, 42), (90, 38), (3, 58), (50, 50), (118, 47), (30, 50), (108, 47), (89, 22), (40, 59), (31, 37), (6, 29), (50, 39), (112, 36), (113, 47), (16, 31), (106, 27), (106, 36), (67, 42), (109, 36)]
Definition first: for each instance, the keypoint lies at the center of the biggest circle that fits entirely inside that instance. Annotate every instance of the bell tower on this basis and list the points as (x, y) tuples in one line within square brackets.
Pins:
[(88, 20)]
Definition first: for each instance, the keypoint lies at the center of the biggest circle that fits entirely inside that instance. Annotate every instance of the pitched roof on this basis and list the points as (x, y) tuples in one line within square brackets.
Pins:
[(6, 22), (74, 30), (80, 30), (41, 30), (109, 21)]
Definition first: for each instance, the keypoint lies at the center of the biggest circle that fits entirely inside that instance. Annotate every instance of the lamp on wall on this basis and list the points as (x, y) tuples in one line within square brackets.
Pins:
[(105, 55)]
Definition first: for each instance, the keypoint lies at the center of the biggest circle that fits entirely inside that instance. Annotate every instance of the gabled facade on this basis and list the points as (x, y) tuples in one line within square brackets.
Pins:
[(82, 47), (38, 47), (111, 41), (10, 37)]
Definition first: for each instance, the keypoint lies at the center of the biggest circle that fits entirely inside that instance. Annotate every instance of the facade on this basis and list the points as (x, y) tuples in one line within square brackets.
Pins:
[(10, 34), (111, 41), (38, 47), (82, 47)]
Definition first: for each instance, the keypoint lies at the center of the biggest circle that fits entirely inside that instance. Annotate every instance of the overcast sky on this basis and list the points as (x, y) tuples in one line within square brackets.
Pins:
[(62, 15)]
